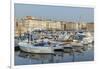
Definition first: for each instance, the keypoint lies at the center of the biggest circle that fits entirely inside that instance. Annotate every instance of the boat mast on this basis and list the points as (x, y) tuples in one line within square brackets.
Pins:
[(79, 28), (19, 30), (28, 31)]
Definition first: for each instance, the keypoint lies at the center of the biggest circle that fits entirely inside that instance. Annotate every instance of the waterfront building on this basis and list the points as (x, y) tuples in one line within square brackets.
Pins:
[(30, 23)]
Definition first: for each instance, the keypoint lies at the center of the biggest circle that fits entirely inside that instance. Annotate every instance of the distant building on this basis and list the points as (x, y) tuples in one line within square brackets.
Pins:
[(30, 23), (90, 26)]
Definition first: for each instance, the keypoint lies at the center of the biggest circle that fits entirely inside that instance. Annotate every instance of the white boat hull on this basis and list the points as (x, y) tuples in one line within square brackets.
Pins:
[(76, 44), (88, 40), (33, 49)]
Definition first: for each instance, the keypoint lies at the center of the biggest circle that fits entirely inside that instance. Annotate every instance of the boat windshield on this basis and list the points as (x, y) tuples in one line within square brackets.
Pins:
[(40, 44), (79, 37)]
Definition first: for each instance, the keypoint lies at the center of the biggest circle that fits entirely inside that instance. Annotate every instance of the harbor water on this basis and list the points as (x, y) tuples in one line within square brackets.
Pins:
[(23, 58)]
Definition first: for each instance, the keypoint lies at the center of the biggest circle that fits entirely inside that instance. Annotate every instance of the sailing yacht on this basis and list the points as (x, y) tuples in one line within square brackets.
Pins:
[(35, 48)]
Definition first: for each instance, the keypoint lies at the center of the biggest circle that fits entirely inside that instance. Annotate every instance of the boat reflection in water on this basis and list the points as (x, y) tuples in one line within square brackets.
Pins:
[(68, 55)]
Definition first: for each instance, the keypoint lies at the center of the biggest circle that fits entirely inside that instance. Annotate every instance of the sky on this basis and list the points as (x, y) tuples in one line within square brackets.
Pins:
[(63, 13)]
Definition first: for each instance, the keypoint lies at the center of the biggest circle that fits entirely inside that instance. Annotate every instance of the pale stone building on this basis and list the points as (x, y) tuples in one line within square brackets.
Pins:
[(30, 23), (90, 26)]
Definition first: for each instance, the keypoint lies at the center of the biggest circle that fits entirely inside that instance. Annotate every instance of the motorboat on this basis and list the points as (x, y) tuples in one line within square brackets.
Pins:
[(81, 33), (76, 43), (88, 39)]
